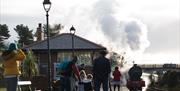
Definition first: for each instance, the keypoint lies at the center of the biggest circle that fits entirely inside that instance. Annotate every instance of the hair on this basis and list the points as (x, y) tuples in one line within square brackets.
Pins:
[(135, 65), (116, 67), (74, 59), (90, 76), (82, 73)]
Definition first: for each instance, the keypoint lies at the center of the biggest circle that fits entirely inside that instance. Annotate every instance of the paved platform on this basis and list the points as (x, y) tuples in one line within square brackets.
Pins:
[(123, 88)]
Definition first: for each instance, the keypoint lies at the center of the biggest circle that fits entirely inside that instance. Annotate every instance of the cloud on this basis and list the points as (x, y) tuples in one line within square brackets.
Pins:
[(128, 33), (120, 25), (136, 34)]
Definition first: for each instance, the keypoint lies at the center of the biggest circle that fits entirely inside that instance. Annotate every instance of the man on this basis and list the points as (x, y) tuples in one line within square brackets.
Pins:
[(101, 71), (67, 82), (135, 82), (135, 73)]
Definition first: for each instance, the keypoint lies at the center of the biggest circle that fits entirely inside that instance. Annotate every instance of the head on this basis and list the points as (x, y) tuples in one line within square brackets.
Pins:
[(135, 65), (103, 52), (82, 74), (90, 76), (74, 59), (116, 68), (12, 47)]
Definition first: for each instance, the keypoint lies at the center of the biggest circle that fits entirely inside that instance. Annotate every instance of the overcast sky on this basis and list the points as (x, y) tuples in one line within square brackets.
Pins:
[(147, 30)]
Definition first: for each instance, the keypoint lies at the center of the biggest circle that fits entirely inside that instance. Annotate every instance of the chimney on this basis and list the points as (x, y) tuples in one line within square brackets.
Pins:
[(39, 33)]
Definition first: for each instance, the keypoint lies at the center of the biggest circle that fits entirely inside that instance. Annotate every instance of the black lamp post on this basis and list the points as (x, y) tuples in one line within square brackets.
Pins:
[(47, 6), (72, 31)]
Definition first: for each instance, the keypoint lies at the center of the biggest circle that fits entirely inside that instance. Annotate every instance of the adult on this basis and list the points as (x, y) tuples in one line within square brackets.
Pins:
[(116, 78), (67, 82), (101, 71), (11, 64), (135, 73)]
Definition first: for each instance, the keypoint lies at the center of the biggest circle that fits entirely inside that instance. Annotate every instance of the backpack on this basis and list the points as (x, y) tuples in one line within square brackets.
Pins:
[(63, 66)]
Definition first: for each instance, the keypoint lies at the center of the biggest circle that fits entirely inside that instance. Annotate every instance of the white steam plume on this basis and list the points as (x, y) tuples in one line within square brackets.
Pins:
[(100, 23), (126, 35)]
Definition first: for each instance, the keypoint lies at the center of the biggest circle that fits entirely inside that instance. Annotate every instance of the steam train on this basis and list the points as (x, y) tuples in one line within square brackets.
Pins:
[(135, 83)]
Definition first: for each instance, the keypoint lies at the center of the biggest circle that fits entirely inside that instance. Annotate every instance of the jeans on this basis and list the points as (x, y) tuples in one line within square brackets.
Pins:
[(11, 83), (97, 84)]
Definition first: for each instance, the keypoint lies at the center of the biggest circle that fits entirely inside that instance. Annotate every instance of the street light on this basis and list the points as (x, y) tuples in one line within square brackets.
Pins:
[(47, 6), (72, 31)]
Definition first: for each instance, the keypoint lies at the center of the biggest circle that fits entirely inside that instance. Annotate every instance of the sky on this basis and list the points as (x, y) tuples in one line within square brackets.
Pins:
[(144, 31)]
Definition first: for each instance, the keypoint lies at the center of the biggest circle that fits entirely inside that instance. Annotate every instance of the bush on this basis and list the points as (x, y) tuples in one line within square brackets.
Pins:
[(172, 80)]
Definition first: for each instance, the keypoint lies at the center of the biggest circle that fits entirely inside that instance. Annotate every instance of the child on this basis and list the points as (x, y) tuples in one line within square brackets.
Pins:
[(89, 77), (82, 75), (88, 85), (116, 78), (83, 78)]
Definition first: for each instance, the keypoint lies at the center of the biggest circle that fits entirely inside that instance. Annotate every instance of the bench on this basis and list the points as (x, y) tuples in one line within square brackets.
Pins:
[(24, 83)]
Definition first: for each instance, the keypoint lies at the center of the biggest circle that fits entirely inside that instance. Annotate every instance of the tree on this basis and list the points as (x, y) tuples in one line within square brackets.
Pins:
[(117, 59), (53, 30), (30, 68), (4, 34), (25, 35)]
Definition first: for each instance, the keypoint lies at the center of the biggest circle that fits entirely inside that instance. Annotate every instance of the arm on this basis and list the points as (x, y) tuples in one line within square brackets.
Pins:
[(119, 73), (76, 71), (113, 73), (109, 67), (20, 55)]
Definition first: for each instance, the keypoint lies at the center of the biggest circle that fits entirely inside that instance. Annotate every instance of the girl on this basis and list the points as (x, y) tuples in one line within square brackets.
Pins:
[(116, 78)]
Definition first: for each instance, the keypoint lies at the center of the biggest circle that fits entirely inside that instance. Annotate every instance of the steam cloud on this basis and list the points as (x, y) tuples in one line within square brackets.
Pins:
[(104, 25), (130, 34)]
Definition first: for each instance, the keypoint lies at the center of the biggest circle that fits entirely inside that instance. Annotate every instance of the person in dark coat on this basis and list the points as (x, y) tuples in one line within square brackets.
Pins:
[(101, 71), (135, 73)]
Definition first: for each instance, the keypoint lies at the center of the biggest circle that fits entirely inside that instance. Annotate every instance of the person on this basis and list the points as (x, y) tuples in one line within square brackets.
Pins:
[(67, 77), (135, 73), (89, 77), (89, 84), (82, 67), (86, 81), (83, 77), (101, 71), (135, 81), (11, 64), (116, 78)]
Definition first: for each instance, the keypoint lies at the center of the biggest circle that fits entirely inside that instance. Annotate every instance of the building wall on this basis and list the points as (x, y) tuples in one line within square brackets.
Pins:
[(43, 62)]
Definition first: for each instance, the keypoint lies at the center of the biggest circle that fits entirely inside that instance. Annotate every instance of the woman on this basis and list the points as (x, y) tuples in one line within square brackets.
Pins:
[(11, 63)]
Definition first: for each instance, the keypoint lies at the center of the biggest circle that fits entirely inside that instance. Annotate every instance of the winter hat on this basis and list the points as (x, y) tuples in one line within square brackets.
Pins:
[(12, 46)]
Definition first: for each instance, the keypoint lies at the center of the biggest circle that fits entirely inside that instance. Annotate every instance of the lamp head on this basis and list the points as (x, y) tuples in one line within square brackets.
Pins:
[(47, 5), (72, 30)]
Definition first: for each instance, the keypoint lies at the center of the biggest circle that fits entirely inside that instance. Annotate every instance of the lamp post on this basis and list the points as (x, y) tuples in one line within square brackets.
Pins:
[(47, 6), (72, 31)]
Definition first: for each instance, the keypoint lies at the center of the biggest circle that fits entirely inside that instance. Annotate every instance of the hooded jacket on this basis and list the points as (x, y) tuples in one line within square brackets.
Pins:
[(11, 62)]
